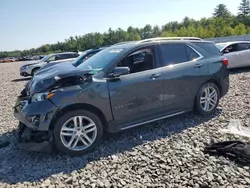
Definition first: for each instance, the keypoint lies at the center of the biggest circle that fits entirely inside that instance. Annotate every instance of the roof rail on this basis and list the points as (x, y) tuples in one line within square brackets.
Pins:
[(125, 42), (168, 38)]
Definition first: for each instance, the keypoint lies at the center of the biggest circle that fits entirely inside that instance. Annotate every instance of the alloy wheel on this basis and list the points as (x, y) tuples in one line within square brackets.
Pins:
[(209, 99), (78, 133)]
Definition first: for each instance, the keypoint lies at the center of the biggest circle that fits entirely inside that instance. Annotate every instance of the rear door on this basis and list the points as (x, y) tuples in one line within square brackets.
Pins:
[(244, 53), (183, 72), (231, 52)]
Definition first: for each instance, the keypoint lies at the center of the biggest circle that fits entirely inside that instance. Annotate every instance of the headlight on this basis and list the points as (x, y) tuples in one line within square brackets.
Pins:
[(24, 67), (42, 96)]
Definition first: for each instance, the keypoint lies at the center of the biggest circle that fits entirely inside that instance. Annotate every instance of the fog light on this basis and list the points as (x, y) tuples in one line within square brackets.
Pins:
[(35, 120)]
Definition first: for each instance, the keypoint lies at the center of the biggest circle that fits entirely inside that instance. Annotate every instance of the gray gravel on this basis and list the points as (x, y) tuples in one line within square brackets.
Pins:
[(166, 153)]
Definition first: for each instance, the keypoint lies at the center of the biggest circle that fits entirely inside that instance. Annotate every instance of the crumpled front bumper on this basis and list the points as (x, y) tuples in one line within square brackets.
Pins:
[(37, 116), (31, 140)]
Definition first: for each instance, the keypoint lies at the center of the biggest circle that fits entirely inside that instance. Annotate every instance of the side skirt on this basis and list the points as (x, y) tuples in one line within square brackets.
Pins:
[(155, 119)]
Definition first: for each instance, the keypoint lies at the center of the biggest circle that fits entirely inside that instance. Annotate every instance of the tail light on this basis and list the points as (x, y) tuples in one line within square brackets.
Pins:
[(225, 61)]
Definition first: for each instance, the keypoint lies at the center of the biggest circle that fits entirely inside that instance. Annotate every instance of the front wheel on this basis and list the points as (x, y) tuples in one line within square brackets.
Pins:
[(77, 132), (207, 99)]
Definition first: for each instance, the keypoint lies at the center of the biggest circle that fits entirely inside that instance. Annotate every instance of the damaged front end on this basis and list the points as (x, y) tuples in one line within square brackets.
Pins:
[(37, 116), (31, 140)]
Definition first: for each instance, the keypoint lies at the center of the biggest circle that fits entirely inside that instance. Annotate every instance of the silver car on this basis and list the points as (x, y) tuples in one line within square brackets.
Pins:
[(238, 53), (31, 69)]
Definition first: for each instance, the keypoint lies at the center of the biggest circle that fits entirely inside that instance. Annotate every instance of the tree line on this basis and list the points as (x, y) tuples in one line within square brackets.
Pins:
[(222, 23)]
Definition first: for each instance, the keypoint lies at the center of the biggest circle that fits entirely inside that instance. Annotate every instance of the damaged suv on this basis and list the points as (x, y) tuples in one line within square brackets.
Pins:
[(123, 86)]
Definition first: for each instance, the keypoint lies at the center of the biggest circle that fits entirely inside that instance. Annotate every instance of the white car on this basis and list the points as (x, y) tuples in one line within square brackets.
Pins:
[(31, 69), (237, 53)]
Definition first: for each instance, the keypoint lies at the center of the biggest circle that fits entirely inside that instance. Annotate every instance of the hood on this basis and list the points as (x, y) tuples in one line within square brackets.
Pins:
[(32, 63), (56, 77)]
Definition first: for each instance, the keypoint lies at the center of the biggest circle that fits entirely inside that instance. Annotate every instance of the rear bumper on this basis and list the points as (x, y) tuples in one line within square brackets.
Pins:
[(224, 86)]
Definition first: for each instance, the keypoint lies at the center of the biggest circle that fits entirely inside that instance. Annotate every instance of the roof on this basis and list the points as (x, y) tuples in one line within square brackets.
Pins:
[(130, 44), (232, 42)]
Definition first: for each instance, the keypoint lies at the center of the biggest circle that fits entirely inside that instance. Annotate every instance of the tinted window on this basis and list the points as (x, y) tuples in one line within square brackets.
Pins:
[(191, 54), (138, 61), (75, 55), (209, 48), (83, 58), (243, 46), (65, 56), (231, 48), (174, 53)]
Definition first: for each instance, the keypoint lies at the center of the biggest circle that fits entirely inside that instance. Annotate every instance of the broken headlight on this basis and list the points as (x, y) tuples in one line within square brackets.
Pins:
[(41, 96)]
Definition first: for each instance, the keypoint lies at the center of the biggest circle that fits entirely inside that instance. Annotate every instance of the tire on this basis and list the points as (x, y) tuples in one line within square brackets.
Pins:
[(34, 71), (213, 103), (61, 140)]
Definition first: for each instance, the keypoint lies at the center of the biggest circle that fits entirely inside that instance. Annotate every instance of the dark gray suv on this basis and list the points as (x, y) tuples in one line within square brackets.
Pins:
[(121, 87)]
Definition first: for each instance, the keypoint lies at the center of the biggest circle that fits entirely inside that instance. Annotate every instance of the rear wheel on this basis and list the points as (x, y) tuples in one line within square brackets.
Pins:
[(207, 99), (77, 132)]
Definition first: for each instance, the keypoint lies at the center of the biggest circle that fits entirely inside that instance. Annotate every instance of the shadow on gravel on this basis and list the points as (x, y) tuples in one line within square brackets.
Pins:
[(23, 166), (21, 79), (239, 70)]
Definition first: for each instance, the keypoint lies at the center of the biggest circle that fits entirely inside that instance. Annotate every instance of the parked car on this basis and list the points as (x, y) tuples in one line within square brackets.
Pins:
[(117, 89), (10, 59), (31, 69), (53, 66), (238, 53), (84, 56)]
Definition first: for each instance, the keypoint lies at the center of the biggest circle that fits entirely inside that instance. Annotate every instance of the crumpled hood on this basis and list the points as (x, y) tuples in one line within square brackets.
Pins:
[(43, 81)]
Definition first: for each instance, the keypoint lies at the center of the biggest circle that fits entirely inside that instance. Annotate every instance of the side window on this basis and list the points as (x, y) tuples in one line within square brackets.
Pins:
[(74, 55), (243, 46), (52, 58), (138, 61), (231, 48), (192, 55), (174, 53)]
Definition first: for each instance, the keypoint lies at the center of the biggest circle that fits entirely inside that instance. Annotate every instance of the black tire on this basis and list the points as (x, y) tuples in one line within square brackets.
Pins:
[(198, 107), (65, 117), (34, 71)]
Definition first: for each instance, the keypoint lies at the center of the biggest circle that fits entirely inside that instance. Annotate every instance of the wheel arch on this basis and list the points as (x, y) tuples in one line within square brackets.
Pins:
[(79, 106)]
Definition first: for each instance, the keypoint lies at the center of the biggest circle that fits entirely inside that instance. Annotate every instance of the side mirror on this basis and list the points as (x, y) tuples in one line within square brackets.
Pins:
[(118, 71)]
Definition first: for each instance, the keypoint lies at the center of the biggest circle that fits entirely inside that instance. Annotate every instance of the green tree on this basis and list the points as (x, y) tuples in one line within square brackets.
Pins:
[(244, 8), (240, 29), (221, 11)]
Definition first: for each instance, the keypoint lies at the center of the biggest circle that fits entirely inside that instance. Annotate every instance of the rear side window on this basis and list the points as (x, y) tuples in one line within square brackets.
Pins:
[(74, 55), (243, 46), (209, 48), (192, 55), (174, 53)]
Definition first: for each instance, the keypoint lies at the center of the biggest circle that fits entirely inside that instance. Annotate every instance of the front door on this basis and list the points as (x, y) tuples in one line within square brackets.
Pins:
[(136, 97)]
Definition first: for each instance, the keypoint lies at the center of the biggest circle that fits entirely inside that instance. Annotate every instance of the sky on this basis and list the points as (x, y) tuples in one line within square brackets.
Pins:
[(26, 24)]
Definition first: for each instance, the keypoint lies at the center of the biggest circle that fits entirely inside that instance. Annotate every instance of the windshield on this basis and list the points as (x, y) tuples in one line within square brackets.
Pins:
[(101, 59), (45, 58), (83, 57), (221, 46)]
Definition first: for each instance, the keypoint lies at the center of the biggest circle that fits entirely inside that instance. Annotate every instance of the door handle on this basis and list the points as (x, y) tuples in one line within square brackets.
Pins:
[(197, 66), (154, 76)]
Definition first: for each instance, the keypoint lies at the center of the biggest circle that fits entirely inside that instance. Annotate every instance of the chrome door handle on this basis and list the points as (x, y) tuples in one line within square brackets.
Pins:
[(154, 76), (197, 66)]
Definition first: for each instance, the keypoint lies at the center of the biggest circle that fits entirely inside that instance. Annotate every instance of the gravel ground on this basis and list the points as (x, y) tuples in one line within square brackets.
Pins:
[(166, 153)]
